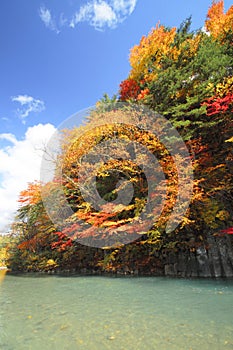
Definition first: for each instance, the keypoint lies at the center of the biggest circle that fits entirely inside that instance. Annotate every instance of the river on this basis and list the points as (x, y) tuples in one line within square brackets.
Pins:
[(129, 313)]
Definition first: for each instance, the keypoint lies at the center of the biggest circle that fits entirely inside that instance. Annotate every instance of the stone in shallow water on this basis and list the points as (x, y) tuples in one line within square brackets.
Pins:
[(111, 337)]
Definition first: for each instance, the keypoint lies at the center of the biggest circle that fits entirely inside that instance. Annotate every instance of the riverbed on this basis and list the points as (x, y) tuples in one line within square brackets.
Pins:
[(128, 313)]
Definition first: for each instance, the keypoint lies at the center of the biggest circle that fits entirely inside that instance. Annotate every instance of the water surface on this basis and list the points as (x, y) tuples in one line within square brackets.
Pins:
[(98, 313)]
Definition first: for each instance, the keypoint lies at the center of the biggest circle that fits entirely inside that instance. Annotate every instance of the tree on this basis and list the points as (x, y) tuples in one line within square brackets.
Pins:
[(174, 71), (187, 77)]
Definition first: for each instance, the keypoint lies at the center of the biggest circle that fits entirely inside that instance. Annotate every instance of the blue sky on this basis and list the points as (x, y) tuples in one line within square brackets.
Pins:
[(58, 57)]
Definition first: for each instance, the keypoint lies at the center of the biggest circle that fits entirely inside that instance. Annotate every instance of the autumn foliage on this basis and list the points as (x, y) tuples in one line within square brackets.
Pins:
[(219, 23), (187, 76), (129, 90)]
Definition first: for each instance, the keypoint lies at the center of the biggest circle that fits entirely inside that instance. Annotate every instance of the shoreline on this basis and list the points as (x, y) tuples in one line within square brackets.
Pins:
[(118, 274)]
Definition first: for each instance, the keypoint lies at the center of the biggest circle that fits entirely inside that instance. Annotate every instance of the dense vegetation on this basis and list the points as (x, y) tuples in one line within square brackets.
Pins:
[(186, 76), (4, 243)]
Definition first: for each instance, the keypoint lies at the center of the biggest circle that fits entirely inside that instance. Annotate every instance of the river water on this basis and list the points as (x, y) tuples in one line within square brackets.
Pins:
[(98, 313)]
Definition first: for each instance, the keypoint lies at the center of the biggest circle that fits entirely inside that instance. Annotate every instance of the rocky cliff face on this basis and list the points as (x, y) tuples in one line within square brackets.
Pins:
[(213, 260)]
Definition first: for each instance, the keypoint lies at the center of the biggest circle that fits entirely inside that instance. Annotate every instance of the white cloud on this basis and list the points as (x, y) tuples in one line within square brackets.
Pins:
[(5, 119), (103, 15), (97, 13), (28, 105), (85, 13), (8, 137), (49, 21), (20, 164), (124, 7), (204, 30)]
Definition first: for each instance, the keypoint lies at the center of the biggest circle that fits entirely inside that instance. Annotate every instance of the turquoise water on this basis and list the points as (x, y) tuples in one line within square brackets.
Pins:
[(91, 313)]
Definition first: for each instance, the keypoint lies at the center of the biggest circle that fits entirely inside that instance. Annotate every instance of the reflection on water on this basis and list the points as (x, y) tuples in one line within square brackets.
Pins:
[(115, 313), (2, 274)]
